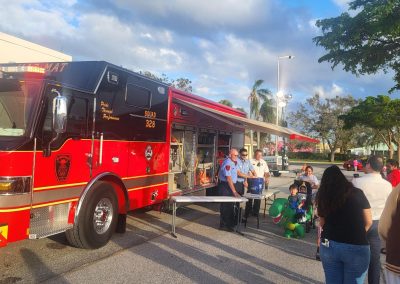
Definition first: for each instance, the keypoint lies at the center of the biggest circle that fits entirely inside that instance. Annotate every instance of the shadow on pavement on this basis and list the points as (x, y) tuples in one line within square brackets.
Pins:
[(39, 270), (198, 254)]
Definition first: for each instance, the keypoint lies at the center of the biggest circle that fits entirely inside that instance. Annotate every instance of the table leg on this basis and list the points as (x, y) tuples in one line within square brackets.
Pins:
[(239, 220), (265, 205), (173, 233)]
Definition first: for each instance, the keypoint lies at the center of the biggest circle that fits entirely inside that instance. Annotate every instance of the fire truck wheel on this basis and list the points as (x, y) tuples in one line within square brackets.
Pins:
[(97, 219)]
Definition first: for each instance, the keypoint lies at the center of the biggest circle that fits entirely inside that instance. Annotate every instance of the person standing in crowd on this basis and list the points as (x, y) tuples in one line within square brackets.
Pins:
[(389, 232), (244, 169), (227, 179), (377, 190), (355, 165), (345, 217), (310, 177), (393, 172), (261, 171)]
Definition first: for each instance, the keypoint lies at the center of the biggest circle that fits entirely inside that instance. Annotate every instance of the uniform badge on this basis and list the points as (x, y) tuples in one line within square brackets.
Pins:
[(148, 153), (228, 167), (63, 164)]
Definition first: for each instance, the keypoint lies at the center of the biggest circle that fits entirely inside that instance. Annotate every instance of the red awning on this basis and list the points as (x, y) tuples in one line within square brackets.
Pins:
[(245, 123), (304, 138)]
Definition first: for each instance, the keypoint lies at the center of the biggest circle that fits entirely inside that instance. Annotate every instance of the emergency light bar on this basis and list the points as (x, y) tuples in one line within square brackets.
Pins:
[(23, 69)]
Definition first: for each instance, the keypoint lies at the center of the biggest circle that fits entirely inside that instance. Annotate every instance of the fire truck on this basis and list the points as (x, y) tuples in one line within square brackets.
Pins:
[(84, 143)]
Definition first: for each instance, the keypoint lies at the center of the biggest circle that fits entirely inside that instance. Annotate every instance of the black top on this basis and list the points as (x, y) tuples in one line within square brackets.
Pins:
[(346, 224)]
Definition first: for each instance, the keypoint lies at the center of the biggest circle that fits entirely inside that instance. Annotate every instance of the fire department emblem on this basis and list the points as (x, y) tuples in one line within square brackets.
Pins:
[(63, 163), (148, 153)]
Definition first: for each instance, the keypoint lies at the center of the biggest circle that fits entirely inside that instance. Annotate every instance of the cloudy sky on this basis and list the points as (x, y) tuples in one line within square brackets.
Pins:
[(223, 46)]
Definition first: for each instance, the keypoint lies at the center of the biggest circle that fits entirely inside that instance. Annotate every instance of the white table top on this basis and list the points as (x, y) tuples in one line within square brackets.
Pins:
[(263, 195), (188, 199)]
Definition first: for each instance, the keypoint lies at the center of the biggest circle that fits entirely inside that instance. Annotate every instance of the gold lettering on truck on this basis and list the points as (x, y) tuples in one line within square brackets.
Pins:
[(150, 114), (107, 112), (150, 123)]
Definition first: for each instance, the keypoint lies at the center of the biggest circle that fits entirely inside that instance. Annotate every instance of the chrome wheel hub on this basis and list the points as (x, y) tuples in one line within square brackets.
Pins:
[(103, 214)]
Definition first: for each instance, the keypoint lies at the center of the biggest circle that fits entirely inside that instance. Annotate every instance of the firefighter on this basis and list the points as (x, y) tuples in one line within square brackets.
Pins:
[(227, 178)]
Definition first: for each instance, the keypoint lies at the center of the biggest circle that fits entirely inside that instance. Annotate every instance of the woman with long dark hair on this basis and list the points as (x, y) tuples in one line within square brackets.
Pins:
[(345, 217)]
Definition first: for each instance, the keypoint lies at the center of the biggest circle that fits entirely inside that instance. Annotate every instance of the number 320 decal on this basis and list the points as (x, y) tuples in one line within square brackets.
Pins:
[(150, 123)]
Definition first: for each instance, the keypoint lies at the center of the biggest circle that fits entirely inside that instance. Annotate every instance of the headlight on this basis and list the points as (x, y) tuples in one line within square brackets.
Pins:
[(14, 185)]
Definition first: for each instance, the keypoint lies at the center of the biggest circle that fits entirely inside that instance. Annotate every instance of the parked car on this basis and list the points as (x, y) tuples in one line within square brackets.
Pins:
[(348, 165)]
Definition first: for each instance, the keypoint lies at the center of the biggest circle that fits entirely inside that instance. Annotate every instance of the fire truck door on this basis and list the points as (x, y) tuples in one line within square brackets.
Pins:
[(109, 139), (60, 174)]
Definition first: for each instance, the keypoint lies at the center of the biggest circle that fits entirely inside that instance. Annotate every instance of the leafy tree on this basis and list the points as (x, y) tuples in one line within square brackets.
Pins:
[(365, 42), (183, 84), (381, 114), (163, 78), (226, 102), (257, 95), (320, 117), (242, 110)]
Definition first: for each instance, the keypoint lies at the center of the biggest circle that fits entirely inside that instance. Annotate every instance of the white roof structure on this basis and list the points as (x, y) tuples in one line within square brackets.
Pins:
[(16, 50)]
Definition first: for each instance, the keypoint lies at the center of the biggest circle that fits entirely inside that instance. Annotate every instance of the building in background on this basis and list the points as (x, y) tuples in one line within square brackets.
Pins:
[(16, 50)]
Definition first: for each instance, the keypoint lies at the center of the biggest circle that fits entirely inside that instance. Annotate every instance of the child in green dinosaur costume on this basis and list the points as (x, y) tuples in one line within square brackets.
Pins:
[(283, 215)]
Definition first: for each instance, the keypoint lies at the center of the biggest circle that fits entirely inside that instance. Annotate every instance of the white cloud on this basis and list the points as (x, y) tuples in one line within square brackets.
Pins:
[(208, 13), (329, 92), (223, 46), (31, 17), (343, 4)]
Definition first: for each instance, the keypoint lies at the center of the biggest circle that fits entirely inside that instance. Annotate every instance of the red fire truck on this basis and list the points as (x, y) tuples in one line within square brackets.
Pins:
[(83, 143)]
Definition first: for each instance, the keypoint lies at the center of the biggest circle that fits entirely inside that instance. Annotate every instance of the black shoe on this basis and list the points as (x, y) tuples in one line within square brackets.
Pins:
[(226, 229)]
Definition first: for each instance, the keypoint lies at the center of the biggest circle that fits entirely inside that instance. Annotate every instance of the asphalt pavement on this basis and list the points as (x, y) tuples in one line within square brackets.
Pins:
[(147, 253)]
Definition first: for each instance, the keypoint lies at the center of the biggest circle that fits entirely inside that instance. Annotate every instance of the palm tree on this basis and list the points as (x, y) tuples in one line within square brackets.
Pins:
[(267, 111), (256, 96)]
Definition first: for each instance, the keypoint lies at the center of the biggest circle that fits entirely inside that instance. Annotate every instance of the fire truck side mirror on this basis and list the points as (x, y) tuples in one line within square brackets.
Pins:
[(59, 113), (59, 123)]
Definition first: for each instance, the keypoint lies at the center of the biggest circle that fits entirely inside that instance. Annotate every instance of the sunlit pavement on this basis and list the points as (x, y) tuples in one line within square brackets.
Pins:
[(148, 253)]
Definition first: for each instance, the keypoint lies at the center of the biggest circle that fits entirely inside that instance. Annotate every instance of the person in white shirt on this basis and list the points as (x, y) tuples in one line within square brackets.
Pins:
[(377, 190), (262, 171), (310, 177)]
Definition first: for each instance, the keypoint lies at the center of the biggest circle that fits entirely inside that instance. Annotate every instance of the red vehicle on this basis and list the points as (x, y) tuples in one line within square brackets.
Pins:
[(83, 143), (349, 165)]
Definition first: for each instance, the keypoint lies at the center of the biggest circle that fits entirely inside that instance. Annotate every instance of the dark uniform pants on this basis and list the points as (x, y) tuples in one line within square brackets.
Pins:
[(227, 212), (239, 186)]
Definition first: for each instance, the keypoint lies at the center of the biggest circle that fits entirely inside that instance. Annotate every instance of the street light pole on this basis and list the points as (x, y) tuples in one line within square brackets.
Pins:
[(278, 97)]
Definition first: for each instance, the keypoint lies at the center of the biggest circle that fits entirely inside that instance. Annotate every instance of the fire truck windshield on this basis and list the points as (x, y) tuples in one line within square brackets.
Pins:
[(17, 101)]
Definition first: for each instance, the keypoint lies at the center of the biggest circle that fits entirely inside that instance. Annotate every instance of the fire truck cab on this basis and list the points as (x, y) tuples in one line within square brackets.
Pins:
[(83, 143)]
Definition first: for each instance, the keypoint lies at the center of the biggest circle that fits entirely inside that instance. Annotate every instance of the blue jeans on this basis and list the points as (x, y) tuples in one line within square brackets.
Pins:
[(374, 270), (344, 263)]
